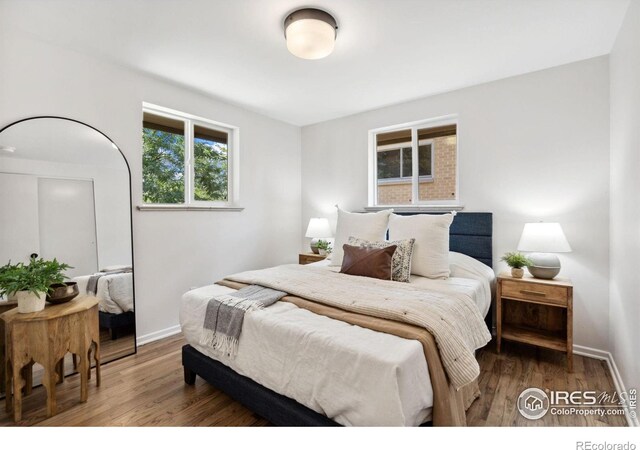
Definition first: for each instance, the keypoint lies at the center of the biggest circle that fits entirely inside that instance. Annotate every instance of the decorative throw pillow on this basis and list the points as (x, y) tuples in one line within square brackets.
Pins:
[(401, 261), (367, 261), (369, 226), (431, 249)]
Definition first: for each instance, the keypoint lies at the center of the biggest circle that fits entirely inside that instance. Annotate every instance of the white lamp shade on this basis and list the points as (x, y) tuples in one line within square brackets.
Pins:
[(318, 228), (310, 38), (544, 238)]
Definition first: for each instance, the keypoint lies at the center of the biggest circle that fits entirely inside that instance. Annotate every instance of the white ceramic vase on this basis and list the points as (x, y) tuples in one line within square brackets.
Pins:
[(29, 302)]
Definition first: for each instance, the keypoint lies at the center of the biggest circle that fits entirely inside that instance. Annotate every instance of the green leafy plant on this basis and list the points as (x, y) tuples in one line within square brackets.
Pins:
[(516, 260), (324, 245), (35, 277)]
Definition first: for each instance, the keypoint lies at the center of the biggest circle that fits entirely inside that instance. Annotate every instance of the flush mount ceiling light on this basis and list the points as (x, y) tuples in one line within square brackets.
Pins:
[(310, 33)]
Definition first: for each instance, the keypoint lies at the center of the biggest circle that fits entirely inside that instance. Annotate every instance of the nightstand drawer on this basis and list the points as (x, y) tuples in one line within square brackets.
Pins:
[(554, 295), (308, 258)]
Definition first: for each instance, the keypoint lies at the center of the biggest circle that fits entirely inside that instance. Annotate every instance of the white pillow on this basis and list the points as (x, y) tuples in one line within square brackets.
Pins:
[(431, 250), (368, 226), (464, 266), (461, 263)]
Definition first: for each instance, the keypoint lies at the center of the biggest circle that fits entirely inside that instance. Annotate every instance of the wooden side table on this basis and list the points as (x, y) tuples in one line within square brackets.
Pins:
[(308, 258), (536, 312), (45, 337)]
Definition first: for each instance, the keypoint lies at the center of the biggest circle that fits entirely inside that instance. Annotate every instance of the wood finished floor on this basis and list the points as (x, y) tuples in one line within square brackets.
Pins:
[(147, 389)]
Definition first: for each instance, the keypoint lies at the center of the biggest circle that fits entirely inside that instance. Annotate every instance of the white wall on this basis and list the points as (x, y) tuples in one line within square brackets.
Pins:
[(173, 250), (533, 147), (111, 196), (625, 204)]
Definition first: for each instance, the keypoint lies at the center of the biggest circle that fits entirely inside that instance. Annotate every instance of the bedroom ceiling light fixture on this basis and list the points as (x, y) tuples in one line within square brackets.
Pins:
[(310, 33)]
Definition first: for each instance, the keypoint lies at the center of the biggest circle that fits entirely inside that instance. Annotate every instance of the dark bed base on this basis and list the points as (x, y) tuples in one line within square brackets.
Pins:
[(277, 409), (117, 323)]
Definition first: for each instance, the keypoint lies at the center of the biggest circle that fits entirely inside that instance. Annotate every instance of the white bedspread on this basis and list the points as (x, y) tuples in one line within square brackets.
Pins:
[(353, 375), (115, 291)]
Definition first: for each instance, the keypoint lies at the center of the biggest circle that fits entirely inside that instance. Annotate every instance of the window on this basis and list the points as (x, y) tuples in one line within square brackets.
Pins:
[(391, 170), (414, 164), (186, 160)]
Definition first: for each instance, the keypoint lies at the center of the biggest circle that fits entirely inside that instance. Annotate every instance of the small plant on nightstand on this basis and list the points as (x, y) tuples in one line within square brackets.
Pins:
[(516, 261), (324, 247)]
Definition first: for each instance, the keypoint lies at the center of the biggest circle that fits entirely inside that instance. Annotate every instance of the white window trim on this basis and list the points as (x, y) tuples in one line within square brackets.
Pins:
[(233, 163), (415, 201)]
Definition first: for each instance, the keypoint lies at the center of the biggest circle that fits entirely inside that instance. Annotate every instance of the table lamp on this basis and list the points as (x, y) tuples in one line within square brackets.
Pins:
[(318, 228), (544, 239)]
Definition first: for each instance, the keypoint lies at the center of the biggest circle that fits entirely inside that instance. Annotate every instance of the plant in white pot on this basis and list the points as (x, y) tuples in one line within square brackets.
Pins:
[(516, 261), (29, 283), (324, 247)]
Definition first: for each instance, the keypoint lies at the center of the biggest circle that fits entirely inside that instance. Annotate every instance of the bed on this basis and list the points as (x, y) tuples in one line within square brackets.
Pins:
[(114, 289), (301, 380)]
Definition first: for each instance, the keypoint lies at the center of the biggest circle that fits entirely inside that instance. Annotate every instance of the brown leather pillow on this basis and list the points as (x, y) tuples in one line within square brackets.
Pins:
[(367, 261)]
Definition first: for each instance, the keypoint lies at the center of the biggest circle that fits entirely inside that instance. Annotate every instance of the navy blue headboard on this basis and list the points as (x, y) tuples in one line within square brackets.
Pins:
[(471, 233)]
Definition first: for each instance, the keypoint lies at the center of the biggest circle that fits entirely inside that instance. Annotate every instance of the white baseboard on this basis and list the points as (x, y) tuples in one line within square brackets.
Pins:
[(157, 335), (615, 374), (591, 352)]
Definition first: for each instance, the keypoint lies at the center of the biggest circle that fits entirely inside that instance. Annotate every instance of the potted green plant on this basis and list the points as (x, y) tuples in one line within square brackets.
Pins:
[(324, 248), (29, 283), (516, 261)]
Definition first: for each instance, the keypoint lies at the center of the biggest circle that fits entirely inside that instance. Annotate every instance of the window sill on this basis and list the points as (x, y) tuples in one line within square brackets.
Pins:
[(188, 208), (416, 208)]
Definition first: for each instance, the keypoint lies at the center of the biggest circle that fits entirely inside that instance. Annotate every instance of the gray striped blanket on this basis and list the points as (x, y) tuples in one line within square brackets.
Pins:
[(225, 315)]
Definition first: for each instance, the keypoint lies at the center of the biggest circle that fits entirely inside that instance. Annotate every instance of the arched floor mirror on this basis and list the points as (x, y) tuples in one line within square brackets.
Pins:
[(65, 193)]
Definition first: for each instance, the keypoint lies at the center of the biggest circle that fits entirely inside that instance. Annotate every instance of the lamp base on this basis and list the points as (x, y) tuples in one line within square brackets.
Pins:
[(544, 265), (314, 245)]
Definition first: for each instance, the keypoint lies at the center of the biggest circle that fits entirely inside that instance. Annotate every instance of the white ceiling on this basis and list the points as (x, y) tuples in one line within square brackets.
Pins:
[(387, 51)]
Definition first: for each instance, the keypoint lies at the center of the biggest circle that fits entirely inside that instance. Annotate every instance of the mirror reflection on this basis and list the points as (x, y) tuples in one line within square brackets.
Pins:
[(65, 194)]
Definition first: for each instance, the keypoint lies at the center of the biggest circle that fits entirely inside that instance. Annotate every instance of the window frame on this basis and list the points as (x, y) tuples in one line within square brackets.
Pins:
[(451, 119), (233, 145), (401, 146)]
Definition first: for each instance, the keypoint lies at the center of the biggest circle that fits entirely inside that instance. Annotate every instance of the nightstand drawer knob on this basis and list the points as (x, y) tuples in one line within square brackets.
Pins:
[(536, 293)]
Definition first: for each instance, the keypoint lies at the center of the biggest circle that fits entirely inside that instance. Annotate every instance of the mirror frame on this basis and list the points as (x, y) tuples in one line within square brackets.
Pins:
[(133, 265)]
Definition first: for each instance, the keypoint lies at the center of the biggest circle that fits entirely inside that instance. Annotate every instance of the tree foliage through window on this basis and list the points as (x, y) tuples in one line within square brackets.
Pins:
[(211, 167), (163, 168)]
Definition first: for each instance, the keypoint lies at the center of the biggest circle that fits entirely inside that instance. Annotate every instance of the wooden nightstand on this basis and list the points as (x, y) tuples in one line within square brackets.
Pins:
[(308, 258), (536, 312)]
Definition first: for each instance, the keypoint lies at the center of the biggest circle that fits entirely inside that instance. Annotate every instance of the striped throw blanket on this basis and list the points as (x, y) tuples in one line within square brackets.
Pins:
[(225, 315)]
